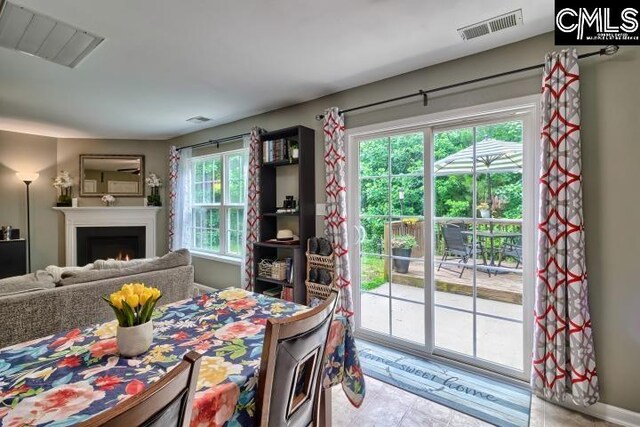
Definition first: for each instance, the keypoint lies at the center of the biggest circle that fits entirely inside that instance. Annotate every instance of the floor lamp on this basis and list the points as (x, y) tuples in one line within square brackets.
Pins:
[(28, 178)]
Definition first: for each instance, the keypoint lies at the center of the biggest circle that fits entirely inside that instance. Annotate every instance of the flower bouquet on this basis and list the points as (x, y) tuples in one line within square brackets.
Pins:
[(63, 183), (154, 182), (108, 199), (133, 306)]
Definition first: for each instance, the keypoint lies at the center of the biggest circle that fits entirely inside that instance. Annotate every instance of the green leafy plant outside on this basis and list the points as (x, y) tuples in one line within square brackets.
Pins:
[(404, 241)]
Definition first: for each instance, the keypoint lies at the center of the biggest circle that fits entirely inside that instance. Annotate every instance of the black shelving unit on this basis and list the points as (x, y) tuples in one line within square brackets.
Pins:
[(13, 258), (304, 218)]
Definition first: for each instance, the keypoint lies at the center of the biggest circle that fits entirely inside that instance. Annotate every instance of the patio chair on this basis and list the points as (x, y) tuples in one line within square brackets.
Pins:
[(455, 245), (512, 249)]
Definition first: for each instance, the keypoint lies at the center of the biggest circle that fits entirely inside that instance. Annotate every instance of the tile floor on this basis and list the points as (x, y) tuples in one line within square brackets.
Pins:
[(388, 406)]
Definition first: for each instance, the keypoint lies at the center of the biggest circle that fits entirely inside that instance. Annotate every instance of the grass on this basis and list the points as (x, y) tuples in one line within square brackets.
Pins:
[(372, 270)]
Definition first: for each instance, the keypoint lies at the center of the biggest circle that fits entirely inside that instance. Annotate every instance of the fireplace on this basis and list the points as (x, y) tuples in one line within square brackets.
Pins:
[(93, 243), (113, 219)]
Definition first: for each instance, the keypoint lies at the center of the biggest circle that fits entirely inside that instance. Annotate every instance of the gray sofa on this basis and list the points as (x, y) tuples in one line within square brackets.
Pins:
[(36, 309)]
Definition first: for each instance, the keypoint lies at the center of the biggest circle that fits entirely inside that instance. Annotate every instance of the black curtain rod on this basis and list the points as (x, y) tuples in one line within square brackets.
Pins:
[(215, 141), (609, 50)]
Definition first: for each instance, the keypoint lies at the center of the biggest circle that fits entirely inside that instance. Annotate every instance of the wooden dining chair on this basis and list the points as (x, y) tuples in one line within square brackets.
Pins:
[(290, 382), (167, 403)]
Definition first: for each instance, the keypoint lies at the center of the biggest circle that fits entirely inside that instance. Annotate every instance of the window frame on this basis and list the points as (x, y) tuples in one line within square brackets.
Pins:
[(224, 207)]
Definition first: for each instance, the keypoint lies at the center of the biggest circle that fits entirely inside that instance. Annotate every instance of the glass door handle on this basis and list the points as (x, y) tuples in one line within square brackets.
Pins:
[(361, 233)]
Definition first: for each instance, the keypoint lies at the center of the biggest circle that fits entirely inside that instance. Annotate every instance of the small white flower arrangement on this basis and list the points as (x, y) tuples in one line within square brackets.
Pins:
[(108, 199), (154, 182), (63, 180), (63, 184)]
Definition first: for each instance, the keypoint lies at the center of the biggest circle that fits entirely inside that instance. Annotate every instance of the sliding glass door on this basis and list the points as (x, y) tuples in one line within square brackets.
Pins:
[(477, 240), (442, 220), (390, 225)]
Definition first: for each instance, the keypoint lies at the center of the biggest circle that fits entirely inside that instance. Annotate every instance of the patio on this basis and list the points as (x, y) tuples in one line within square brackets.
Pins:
[(505, 287), (498, 340), (396, 307)]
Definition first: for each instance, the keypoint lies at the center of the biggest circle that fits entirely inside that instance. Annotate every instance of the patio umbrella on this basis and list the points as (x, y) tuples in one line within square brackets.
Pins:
[(491, 155)]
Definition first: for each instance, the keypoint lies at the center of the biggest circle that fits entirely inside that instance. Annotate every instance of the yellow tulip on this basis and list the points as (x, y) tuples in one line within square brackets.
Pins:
[(133, 300), (156, 293), (138, 288), (145, 295), (116, 299), (127, 289)]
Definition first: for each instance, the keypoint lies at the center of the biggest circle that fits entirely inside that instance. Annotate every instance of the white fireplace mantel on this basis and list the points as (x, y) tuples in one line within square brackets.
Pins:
[(116, 216)]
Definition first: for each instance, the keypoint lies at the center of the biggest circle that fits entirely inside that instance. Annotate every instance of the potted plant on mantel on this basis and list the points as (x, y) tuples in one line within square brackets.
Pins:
[(154, 182), (133, 306), (401, 246), (63, 183)]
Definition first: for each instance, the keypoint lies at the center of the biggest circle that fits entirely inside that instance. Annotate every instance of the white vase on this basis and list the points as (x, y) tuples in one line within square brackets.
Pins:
[(134, 340), (485, 213)]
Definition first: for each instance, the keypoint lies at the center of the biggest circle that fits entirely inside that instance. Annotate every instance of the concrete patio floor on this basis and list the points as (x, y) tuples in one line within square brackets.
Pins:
[(498, 341)]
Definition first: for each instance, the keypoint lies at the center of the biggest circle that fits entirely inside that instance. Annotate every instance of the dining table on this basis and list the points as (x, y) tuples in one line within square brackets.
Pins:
[(63, 379)]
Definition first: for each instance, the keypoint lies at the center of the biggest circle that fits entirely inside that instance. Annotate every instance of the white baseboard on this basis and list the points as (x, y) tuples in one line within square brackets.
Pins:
[(613, 414)]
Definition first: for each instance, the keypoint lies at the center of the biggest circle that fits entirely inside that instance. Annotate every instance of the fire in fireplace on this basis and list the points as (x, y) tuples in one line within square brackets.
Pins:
[(123, 256), (122, 243)]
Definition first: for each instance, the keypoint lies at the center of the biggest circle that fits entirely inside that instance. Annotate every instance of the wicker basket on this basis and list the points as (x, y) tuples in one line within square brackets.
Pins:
[(318, 290), (271, 269)]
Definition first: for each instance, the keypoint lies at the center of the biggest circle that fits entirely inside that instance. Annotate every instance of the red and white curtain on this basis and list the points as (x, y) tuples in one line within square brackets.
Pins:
[(174, 158), (564, 363), (252, 210), (335, 220)]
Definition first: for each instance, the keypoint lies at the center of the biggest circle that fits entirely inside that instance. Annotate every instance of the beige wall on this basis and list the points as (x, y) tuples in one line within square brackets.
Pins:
[(30, 153), (611, 125), (21, 152)]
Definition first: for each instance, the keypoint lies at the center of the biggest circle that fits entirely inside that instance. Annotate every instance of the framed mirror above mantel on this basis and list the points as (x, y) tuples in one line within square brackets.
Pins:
[(117, 175)]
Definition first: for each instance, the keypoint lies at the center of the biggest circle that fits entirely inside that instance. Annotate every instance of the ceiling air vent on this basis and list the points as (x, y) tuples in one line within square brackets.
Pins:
[(198, 119), (39, 35), (508, 20)]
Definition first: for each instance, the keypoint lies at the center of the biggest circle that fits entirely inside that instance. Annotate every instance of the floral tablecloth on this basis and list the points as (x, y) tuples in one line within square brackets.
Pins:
[(342, 364), (63, 379)]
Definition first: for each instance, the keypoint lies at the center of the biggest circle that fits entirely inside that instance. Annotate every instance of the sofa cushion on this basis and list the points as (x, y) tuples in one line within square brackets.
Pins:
[(106, 264), (58, 272), (41, 279), (174, 259)]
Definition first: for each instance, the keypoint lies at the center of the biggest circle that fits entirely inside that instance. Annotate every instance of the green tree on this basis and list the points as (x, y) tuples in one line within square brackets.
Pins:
[(394, 164)]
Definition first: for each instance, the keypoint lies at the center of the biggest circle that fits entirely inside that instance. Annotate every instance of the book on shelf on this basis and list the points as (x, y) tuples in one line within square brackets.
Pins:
[(287, 294), (276, 150), (273, 292), (289, 270)]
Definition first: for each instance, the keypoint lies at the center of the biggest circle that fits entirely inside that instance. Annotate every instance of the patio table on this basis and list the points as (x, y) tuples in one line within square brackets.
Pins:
[(66, 378), (491, 235)]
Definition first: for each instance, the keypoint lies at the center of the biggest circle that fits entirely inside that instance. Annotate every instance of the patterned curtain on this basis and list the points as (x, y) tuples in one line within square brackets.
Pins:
[(564, 364), (335, 220), (174, 158), (252, 231)]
